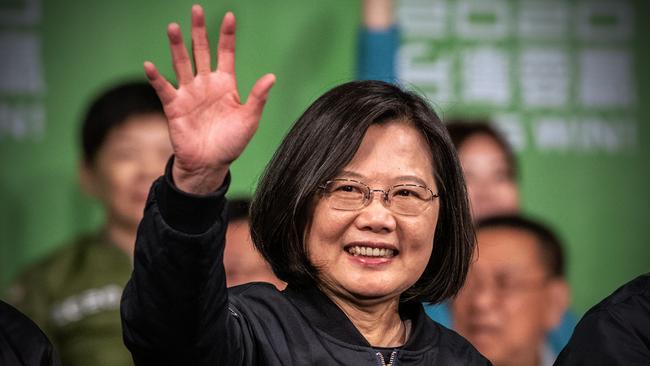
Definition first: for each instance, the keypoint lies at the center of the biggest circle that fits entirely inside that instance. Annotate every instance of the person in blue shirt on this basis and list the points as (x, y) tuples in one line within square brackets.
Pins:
[(378, 42), (515, 291)]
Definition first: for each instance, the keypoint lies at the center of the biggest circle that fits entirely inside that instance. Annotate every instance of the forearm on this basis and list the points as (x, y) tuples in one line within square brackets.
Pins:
[(378, 42), (178, 269), (174, 308)]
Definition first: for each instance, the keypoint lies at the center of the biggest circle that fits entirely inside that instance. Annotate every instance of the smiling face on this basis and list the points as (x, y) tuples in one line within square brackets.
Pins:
[(391, 153), (133, 155)]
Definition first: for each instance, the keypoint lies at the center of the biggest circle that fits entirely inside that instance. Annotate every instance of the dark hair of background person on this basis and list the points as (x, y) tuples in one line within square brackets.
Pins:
[(461, 129), (320, 144), (111, 109), (238, 209), (548, 242)]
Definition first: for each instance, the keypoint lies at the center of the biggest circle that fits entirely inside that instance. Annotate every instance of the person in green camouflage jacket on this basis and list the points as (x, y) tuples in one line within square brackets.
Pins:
[(74, 293)]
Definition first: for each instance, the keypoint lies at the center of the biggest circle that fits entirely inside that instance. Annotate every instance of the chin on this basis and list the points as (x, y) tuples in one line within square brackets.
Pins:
[(130, 219), (370, 291), (486, 346)]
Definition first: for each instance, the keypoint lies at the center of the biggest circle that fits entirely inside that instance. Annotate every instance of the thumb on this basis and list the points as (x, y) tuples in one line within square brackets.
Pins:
[(258, 95)]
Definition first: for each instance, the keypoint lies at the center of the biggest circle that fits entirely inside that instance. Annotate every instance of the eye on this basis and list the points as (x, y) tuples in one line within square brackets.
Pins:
[(505, 283), (409, 192), (403, 192), (123, 154), (346, 188)]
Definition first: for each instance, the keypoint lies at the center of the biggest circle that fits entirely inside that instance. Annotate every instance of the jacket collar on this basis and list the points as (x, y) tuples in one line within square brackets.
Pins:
[(325, 315)]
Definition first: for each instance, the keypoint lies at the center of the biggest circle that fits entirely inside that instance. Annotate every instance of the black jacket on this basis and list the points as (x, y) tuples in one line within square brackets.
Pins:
[(176, 309), (615, 332), (22, 343)]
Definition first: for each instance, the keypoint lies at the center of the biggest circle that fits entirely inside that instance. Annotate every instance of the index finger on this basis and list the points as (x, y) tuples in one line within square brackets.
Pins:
[(163, 88)]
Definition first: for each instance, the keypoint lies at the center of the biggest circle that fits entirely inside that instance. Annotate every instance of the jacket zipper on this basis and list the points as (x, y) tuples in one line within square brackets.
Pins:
[(391, 362)]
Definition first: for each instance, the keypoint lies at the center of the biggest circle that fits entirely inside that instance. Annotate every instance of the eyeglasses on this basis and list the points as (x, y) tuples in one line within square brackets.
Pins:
[(351, 195), (504, 287)]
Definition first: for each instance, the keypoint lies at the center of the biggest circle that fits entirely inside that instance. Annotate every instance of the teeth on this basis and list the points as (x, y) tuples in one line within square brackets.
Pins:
[(371, 252)]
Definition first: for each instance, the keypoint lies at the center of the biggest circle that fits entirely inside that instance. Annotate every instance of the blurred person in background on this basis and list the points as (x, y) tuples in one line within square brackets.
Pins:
[(515, 292), (74, 293), (489, 166), (242, 262), (491, 175), (490, 170)]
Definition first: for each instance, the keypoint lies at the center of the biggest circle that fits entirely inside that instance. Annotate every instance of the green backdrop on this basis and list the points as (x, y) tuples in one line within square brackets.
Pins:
[(57, 55)]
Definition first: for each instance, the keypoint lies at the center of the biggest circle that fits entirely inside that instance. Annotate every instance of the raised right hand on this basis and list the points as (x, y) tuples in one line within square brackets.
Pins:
[(209, 126)]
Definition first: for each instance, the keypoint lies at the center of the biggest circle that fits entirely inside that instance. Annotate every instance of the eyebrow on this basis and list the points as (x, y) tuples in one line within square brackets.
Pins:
[(122, 136), (418, 180)]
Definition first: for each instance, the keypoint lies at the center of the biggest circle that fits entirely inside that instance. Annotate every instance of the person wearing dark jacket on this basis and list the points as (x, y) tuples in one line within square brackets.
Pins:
[(615, 332), (22, 343), (357, 264)]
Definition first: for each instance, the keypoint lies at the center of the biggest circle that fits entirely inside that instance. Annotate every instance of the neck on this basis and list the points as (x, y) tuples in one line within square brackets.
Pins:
[(122, 236), (522, 359), (378, 321)]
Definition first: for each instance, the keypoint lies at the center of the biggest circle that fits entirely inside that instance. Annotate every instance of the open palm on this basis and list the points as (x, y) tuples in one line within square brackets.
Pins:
[(209, 127)]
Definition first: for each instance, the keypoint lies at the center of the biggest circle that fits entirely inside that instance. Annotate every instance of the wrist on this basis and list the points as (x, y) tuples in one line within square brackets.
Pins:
[(199, 181)]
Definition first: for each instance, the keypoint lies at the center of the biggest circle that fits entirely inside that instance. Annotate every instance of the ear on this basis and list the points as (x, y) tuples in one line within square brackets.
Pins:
[(87, 179), (559, 298)]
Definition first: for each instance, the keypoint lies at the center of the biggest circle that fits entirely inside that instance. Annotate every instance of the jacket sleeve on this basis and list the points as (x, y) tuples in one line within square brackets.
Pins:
[(22, 342), (175, 306), (612, 337)]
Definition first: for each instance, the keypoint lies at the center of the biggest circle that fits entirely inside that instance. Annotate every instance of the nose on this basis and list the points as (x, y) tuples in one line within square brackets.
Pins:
[(151, 165), (482, 296), (376, 216), (383, 197)]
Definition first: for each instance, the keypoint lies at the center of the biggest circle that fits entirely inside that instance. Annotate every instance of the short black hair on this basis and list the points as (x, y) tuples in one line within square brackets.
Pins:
[(550, 245), (320, 144), (113, 107), (238, 209), (461, 129)]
